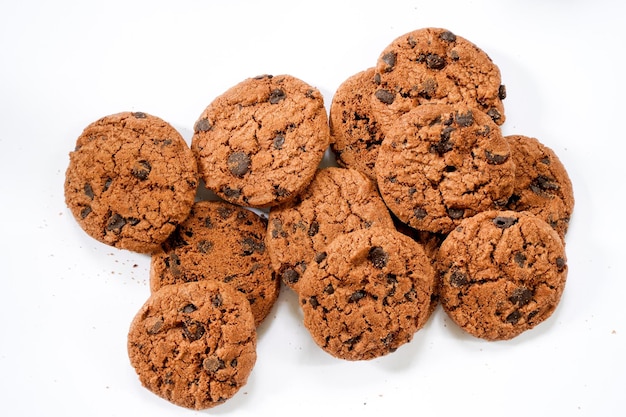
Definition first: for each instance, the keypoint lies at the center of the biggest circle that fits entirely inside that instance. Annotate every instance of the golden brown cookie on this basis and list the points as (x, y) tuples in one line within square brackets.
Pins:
[(368, 294), (542, 185), (433, 65), (194, 344), (260, 142), (502, 273), (354, 134), (440, 164), (338, 200), (224, 242), (130, 181)]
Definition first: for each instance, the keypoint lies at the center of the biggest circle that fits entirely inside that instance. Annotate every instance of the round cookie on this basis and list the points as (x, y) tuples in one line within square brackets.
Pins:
[(440, 164), (433, 65), (354, 134), (194, 344), (542, 185), (130, 181), (368, 294), (224, 242), (338, 200), (260, 142), (502, 273)]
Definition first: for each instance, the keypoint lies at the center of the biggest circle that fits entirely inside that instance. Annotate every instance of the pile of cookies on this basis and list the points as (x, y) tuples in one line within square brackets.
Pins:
[(429, 205)]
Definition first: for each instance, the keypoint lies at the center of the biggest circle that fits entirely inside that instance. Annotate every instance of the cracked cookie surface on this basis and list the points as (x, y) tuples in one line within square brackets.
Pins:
[(260, 142), (440, 164), (542, 185), (433, 65), (220, 241), (502, 273), (338, 200), (368, 294), (194, 344), (355, 134), (131, 179)]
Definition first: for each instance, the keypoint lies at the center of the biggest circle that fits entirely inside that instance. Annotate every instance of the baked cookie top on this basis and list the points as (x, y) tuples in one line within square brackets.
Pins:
[(224, 242), (338, 200), (354, 134), (260, 142), (367, 294), (542, 185), (130, 181), (433, 65), (194, 344), (502, 273), (440, 164)]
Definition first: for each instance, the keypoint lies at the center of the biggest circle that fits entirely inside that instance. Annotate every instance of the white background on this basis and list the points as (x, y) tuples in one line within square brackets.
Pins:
[(66, 301)]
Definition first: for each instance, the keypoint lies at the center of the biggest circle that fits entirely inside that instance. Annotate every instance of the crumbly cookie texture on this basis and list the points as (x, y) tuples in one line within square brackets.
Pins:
[(367, 294), (260, 142), (502, 273), (194, 344), (433, 65), (542, 184), (220, 241), (440, 164), (355, 134), (130, 180), (338, 200)]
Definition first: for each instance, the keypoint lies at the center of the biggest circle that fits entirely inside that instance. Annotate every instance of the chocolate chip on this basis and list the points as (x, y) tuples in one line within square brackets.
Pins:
[(216, 300), (449, 168), (436, 62), (107, 184), (85, 212), (443, 145), (238, 163), (277, 96), (329, 289), (504, 222), (428, 89), (541, 184), (464, 119), (457, 278), (561, 263), (514, 317), (455, 213), (385, 96), (290, 276), (520, 259), (502, 92), (278, 142), (378, 257), (154, 325), (172, 262), (231, 192), (314, 302), (141, 170), (213, 364), (281, 191), (193, 330), (139, 115), (251, 245), (115, 223), (494, 114), (189, 308), (390, 59), (521, 296), (447, 36), (319, 257), (356, 296), (314, 228), (88, 190), (204, 246), (202, 125), (495, 159), (420, 213)]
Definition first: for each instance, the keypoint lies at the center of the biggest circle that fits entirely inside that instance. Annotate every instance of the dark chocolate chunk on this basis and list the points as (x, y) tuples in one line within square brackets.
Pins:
[(115, 223), (504, 222), (494, 114), (141, 170), (495, 159), (202, 125), (290, 276), (277, 96), (390, 59), (314, 228), (85, 212), (88, 190), (319, 257), (213, 364), (455, 212), (356, 296), (378, 257), (204, 246), (420, 213), (216, 300), (436, 62), (251, 245), (385, 96), (521, 296), (313, 301), (447, 36), (560, 263), (464, 119), (502, 92), (231, 192), (520, 259), (541, 184), (238, 163), (457, 278), (189, 308), (514, 317), (193, 330), (279, 141), (139, 115)]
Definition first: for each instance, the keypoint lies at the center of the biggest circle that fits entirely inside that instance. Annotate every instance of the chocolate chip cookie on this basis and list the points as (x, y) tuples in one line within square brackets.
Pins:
[(338, 200), (433, 65), (502, 273), (220, 241), (194, 344), (131, 179), (260, 142), (354, 134), (367, 294), (440, 164), (542, 185)]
